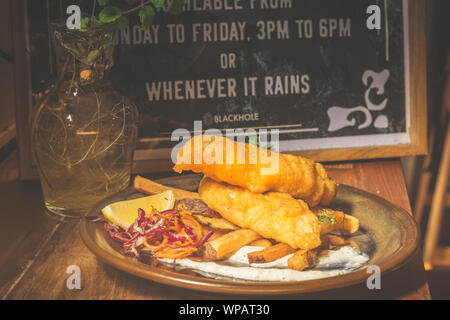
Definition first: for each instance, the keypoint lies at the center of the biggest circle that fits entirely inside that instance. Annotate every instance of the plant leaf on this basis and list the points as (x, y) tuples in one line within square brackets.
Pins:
[(146, 16), (84, 22), (176, 7), (103, 2), (158, 3), (109, 14), (93, 55)]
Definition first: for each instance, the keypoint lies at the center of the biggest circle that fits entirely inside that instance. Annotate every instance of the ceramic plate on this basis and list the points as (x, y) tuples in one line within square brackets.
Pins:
[(388, 235)]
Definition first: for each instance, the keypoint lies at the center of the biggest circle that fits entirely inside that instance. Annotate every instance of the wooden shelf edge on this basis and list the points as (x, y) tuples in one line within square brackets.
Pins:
[(441, 259), (7, 135)]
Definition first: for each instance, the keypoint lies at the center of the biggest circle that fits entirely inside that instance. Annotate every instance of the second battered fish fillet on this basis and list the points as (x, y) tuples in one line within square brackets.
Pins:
[(300, 177), (273, 215)]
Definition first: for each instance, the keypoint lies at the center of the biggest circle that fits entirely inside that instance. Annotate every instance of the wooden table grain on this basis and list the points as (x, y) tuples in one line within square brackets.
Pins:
[(36, 249)]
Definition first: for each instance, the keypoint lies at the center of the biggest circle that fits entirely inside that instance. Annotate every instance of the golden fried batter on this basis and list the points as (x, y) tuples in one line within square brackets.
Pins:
[(223, 160), (273, 215)]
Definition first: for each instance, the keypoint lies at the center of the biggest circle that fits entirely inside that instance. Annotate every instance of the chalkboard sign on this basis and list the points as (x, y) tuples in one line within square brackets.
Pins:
[(339, 79), (313, 69)]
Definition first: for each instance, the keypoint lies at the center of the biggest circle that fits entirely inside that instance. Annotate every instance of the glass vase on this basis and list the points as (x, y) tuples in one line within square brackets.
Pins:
[(83, 131)]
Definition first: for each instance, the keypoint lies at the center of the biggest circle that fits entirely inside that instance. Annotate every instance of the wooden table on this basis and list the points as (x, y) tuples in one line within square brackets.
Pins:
[(36, 249)]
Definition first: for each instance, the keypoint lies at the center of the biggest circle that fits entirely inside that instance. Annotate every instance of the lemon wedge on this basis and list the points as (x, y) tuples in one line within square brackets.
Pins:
[(124, 213)]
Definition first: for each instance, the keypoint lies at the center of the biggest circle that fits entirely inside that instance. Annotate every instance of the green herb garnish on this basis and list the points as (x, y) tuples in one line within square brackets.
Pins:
[(257, 142), (324, 217)]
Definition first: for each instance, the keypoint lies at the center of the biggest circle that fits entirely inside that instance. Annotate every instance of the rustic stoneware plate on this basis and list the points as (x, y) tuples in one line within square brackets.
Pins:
[(388, 234)]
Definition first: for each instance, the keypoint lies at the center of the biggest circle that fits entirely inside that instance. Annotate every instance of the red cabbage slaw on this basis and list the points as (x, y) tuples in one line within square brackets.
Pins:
[(163, 234)]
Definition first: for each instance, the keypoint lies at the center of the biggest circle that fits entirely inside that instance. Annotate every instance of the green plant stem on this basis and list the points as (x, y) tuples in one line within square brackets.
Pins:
[(74, 73), (136, 8), (93, 10)]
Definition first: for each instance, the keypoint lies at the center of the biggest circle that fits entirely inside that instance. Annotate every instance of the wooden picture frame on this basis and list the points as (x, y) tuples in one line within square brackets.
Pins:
[(22, 88), (417, 80)]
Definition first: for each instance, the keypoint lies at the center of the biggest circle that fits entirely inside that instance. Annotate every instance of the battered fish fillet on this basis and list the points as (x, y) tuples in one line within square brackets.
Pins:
[(273, 215), (221, 159)]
